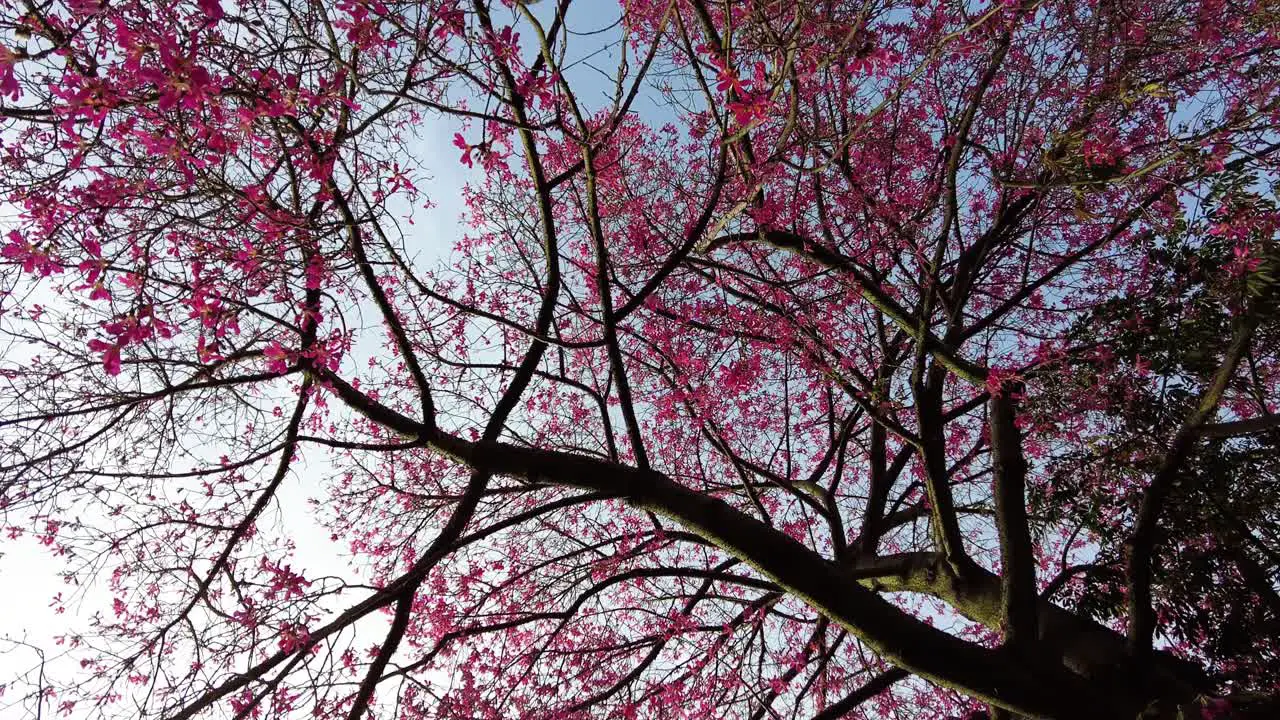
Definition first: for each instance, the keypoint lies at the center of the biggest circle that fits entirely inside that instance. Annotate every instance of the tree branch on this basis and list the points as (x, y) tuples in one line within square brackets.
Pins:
[(1142, 544), (1017, 558)]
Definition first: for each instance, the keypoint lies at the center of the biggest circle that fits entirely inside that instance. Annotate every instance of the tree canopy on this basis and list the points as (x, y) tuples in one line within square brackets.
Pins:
[(803, 359)]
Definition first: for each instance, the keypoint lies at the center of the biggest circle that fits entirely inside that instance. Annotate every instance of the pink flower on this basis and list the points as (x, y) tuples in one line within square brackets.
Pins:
[(876, 61), (998, 379), (284, 581), (212, 9), (1243, 261), (451, 21), (293, 638), (110, 355), (8, 83), (180, 81), (33, 259), (461, 143), (727, 80), (277, 357), (753, 108)]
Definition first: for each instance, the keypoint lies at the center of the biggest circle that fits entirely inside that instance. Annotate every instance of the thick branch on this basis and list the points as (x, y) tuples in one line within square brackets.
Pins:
[(834, 591), (874, 687), (1080, 643), (1262, 424), (1017, 559), (896, 636)]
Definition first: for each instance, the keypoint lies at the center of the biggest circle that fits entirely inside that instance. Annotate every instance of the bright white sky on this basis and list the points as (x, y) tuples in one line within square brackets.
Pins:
[(30, 574)]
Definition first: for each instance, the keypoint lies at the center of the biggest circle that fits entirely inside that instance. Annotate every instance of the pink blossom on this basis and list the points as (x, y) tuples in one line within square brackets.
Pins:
[(110, 355), (293, 638), (277, 357), (8, 82), (212, 9), (461, 143)]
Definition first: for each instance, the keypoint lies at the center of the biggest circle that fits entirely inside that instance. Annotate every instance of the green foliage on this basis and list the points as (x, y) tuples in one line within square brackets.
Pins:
[(1219, 554)]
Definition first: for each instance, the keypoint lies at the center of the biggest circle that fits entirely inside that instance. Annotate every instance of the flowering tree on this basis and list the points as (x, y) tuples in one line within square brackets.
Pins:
[(805, 359)]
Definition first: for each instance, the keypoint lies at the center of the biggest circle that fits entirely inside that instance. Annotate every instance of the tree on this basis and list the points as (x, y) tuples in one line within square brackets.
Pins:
[(814, 359)]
